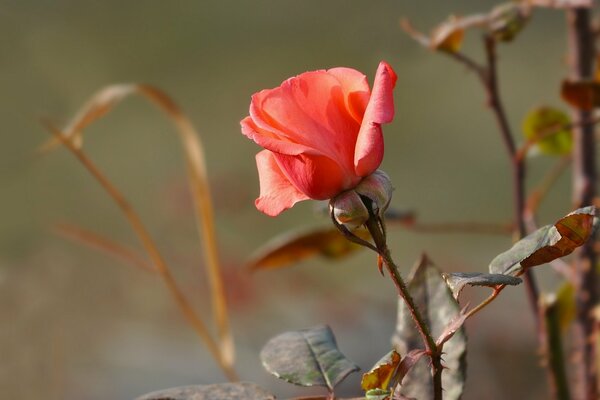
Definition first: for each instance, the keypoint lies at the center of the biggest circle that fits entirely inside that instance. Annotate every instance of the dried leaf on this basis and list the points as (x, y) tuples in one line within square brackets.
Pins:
[(547, 127), (458, 280), (383, 371), (407, 363), (507, 20), (221, 391), (307, 357), (546, 244), (448, 36), (439, 308), (452, 328), (584, 95), (293, 247)]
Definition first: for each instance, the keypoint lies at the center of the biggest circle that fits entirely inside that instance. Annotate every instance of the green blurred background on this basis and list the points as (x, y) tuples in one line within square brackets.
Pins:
[(75, 324)]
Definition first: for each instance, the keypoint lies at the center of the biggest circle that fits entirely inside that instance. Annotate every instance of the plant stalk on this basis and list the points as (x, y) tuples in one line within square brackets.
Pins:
[(582, 56), (374, 226)]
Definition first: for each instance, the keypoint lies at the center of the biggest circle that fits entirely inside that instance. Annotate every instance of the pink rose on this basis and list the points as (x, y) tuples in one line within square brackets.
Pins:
[(321, 132)]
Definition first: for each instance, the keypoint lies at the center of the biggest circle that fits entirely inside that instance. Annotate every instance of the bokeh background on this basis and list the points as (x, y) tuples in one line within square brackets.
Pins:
[(76, 324)]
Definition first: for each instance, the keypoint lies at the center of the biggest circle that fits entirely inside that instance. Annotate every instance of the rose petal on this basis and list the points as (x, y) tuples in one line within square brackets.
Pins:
[(277, 193), (356, 90), (320, 178), (271, 141), (369, 144), (308, 110)]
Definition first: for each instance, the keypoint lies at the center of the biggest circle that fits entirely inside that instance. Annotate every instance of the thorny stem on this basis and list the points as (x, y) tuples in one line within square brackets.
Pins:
[(582, 55), (375, 227)]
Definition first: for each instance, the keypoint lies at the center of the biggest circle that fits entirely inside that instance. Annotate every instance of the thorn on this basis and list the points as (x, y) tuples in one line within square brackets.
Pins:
[(380, 264)]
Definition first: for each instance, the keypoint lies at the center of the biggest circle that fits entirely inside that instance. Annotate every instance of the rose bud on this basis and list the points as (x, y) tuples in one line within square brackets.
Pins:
[(378, 188), (349, 208)]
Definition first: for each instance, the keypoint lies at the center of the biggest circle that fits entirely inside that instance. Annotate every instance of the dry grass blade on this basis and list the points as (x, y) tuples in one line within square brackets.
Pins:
[(98, 242), (98, 106)]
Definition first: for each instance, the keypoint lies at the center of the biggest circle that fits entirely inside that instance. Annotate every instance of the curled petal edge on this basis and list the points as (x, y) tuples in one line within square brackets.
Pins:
[(277, 193)]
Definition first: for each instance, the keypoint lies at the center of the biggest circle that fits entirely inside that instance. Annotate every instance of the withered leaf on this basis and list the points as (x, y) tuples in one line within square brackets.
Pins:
[(457, 281), (383, 371), (294, 247), (584, 95), (547, 243)]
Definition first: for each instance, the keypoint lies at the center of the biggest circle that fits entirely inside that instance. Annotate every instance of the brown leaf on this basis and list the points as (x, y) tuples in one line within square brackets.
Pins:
[(293, 247), (584, 95), (380, 375), (408, 362), (547, 243), (448, 36)]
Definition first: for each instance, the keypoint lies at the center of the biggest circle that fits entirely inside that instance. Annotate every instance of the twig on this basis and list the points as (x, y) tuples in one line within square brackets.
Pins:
[(104, 244), (539, 193), (517, 164), (461, 227)]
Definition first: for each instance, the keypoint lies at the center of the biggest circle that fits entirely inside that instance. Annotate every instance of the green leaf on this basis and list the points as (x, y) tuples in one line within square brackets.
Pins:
[(456, 281), (307, 357), (377, 394), (294, 247), (547, 243), (439, 308), (547, 127), (222, 391)]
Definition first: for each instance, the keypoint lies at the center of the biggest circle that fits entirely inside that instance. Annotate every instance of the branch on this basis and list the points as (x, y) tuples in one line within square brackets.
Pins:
[(581, 57)]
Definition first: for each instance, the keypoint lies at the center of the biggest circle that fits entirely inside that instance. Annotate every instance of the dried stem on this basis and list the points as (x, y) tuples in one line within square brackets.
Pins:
[(582, 55), (152, 250), (98, 106), (98, 242)]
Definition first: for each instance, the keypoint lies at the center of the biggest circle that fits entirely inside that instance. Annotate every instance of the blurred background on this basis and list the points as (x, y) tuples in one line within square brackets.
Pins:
[(76, 324)]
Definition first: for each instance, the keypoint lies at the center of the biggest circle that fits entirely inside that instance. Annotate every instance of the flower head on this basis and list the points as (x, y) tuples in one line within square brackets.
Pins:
[(321, 132)]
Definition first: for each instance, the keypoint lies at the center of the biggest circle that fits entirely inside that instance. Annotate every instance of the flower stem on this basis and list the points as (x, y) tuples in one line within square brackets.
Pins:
[(375, 227)]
